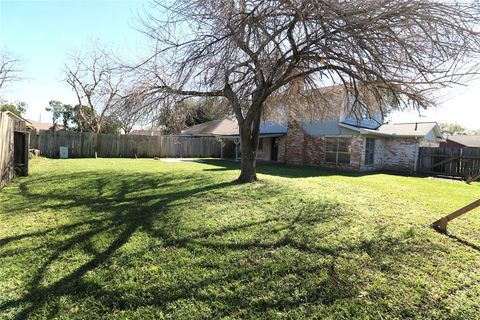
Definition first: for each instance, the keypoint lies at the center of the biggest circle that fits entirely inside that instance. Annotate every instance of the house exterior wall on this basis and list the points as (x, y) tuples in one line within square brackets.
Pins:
[(325, 128), (294, 149), (397, 154), (400, 154), (304, 148)]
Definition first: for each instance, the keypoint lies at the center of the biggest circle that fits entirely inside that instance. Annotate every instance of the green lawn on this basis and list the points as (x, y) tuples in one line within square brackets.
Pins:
[(140, 239)]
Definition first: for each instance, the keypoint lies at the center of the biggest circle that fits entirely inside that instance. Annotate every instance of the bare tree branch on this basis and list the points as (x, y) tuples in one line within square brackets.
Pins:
[(9, 68), (97, 82)]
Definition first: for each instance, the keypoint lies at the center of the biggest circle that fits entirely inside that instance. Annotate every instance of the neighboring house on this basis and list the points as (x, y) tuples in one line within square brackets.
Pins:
[(462, 141), (154, 132), (43, 125)]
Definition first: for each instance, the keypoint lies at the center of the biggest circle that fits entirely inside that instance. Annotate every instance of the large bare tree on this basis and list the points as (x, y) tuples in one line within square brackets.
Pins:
[(9, 68), (97, 81), (250, 50)]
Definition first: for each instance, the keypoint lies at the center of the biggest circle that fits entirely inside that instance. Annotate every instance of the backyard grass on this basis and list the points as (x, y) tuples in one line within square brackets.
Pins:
[(145, 239)]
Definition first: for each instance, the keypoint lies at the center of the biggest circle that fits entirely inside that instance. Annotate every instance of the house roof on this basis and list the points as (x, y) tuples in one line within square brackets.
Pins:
[(229, 129), (138, 132), (20, 124), (213, 128), (42, 125), (466, 140), (413, 129), (11, 114)]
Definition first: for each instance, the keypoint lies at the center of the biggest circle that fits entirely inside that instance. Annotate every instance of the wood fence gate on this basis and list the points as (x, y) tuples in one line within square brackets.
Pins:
[(461, 163)]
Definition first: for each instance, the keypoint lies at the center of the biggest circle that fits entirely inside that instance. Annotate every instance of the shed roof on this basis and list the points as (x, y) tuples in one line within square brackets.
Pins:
[(466, 140)]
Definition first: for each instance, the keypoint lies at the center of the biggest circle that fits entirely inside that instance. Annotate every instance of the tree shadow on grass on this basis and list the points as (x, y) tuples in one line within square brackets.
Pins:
[(121, 205), (290, 171)]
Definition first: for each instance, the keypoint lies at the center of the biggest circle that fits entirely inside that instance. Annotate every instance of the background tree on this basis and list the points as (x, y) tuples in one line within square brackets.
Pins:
[(18, 107), (9, 68), (96, 80), (207, 109), (175, 116), (450, 129), (249, 51), (111, 125), (61, 114)]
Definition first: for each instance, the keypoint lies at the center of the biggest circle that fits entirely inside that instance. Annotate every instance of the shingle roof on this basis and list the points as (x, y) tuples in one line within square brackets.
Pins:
[(139, 132), (42, 125), (466, 140), (213, 128), (413, 129), (227, 127)]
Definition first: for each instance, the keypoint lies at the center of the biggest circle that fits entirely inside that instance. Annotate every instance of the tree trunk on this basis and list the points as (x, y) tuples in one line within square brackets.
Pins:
[(248, 170), (249, 134)]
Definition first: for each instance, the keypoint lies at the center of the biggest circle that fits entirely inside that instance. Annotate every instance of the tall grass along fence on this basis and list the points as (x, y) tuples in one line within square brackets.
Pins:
[(454, 162), (88, 145), (7, 170)]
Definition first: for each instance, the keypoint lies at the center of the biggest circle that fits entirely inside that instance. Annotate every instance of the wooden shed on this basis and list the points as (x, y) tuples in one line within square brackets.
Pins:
[(14, 145)]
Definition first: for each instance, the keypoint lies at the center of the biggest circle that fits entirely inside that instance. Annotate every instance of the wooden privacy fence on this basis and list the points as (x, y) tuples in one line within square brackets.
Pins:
[(86, 144), (453, 162)]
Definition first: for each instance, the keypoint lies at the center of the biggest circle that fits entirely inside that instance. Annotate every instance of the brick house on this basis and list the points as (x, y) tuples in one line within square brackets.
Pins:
[(334, 137), (330, 135)]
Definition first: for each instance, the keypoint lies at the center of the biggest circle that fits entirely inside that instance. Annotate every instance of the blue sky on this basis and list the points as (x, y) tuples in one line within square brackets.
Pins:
[(43, 33)]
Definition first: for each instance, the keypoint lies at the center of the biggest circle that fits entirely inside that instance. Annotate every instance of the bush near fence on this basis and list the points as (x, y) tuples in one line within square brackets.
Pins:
[(86, 144)]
